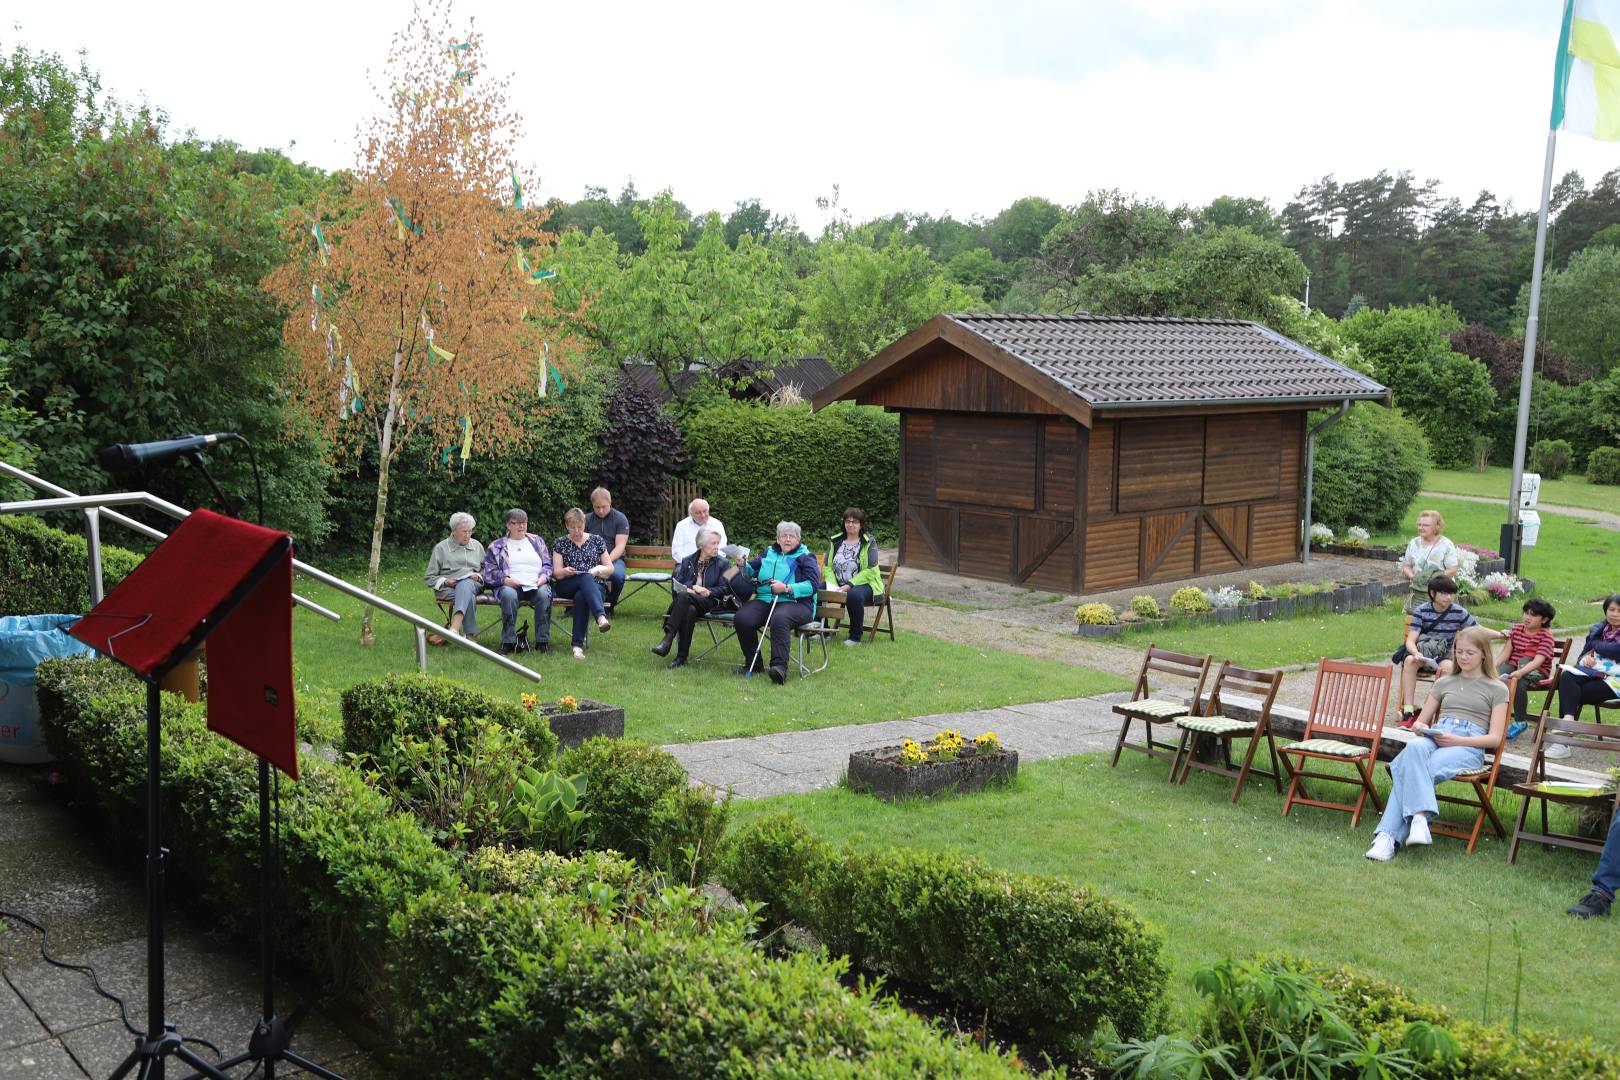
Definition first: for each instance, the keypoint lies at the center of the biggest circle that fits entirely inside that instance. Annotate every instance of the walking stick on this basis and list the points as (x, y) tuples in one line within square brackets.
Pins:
[(775, 596)]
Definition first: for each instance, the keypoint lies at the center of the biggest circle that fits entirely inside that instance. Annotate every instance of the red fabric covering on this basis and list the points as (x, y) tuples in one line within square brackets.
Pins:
[(144, 622)]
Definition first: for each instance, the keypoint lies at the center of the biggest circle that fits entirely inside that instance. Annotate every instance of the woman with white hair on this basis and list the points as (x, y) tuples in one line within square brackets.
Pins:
[(700, 588), (453, 575), (783, 582)]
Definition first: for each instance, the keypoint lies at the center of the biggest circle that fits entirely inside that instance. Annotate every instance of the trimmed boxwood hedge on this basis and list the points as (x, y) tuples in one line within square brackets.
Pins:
[(45, 571), (760, 464), (1049, 960), (377, 711), (567, 968)]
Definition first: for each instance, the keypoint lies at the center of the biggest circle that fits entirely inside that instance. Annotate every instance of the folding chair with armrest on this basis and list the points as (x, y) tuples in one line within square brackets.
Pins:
[(1345, 725)]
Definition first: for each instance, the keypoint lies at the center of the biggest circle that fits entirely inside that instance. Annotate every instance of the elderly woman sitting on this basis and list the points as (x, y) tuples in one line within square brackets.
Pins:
[(700, 587), (778, 589), (453, 574)]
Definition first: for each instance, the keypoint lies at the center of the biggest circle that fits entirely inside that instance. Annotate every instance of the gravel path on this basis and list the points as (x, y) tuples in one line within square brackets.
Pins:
[(1602, 518)]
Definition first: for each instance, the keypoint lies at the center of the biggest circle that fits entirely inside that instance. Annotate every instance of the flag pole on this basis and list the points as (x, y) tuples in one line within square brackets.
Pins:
[(1521, 428)]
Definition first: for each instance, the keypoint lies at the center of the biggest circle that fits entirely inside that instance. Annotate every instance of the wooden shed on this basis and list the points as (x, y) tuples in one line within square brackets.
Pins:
[(1081, 453)]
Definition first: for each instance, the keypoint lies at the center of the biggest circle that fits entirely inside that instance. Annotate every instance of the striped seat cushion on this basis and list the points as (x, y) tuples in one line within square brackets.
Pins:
[(1152, 708), (1331, 746), (1215, 725)]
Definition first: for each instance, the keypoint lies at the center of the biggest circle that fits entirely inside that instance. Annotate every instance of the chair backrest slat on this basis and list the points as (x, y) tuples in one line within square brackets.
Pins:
[(1350, 699), (1194, 669), (1260, 684)]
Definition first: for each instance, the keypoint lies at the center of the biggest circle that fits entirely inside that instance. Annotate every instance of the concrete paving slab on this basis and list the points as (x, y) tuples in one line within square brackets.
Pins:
[(45, 1060), (18, 1024)]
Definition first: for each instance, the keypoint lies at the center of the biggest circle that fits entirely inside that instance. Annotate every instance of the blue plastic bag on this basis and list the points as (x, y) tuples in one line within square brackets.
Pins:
[(26, 640)]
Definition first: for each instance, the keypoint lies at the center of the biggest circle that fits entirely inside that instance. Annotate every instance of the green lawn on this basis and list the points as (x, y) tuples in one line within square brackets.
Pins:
[(1222, 880), (910, 676), (1573, 564), (1280, 642), (1573, 490)]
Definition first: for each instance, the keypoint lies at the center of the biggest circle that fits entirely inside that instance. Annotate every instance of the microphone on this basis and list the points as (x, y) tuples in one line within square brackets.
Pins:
[(121, 457)]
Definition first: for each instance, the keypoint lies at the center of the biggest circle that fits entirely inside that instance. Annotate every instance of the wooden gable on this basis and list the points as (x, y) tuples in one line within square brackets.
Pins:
[(941, 377)]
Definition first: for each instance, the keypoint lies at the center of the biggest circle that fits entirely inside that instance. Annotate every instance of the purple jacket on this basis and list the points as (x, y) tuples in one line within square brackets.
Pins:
[(495, 562)]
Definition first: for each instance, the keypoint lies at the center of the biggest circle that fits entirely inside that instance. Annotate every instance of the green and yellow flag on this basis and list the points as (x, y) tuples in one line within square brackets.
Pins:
[(1586, 77)]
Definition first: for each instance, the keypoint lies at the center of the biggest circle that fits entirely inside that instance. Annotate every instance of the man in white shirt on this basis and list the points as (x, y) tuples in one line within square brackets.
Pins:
[(684, 542), (518, 568)]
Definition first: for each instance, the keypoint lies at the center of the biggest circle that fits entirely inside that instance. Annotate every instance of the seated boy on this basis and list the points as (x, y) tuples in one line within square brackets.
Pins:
[(1530, 656), (1428, 641)]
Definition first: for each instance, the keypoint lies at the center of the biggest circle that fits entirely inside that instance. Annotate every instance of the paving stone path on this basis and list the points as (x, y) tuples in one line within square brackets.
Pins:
[(53, 1026), (799, 761)]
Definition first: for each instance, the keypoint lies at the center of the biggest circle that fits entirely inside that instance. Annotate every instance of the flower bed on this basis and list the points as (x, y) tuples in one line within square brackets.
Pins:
[(573, 720), (946, 763)]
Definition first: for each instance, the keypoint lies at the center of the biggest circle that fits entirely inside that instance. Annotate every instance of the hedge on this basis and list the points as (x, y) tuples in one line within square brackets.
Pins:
[(45, 571), (1049, 961), (1369, 467), (1487, 1051), (760, 464), (379, 710), (1603, 465), (569, 968)]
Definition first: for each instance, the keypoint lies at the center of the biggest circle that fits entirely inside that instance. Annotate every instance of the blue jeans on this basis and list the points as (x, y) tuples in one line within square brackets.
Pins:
[(615, 584), (1607, 877), (586, 593), (512, 598), (464, 599), (1419, 767)]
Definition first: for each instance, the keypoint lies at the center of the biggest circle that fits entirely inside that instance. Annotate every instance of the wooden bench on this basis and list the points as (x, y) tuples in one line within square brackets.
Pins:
[(648, 564)]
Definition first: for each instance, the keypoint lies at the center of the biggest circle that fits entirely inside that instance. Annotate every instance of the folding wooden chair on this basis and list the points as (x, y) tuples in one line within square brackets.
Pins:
[(1196, 730), (1348, 704), (1550, 685), (1151, 710), (881, 608), (1483, 783), (1556, 731)]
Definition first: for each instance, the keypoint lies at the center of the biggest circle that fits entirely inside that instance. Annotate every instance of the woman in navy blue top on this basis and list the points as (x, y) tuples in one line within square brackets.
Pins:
[(700, 588), (579, 563)]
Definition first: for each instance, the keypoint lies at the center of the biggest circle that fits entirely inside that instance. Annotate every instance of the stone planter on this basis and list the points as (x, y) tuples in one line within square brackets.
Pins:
[(880, 772), (1491, 566), (1248, 611), (1267, 608), (1100, 630), (1225, 614), (1358, 551), (591, 719), (1341, 599), (1285, 607)]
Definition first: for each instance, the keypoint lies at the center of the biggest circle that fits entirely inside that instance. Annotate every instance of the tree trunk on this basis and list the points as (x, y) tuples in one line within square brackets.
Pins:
[(385, 454)]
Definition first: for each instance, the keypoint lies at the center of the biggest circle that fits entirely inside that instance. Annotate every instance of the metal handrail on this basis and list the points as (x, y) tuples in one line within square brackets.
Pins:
[(95, 505)]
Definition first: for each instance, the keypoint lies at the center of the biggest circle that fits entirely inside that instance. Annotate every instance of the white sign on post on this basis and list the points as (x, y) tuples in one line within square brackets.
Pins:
[(1529, 491)]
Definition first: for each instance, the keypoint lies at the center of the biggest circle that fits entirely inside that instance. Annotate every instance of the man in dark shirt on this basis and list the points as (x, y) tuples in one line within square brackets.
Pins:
[(614, 529)]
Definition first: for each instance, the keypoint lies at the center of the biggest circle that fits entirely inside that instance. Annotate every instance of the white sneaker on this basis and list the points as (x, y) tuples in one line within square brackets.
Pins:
[(579, 653), (1557, 752), (1383, 848), (602, 624), (847, 641), (1418, 832)]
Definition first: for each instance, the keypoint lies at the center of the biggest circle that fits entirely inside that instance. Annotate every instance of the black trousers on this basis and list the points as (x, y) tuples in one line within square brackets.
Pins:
[(755, 614), (1577, 690), (855, 602), (682, 617)]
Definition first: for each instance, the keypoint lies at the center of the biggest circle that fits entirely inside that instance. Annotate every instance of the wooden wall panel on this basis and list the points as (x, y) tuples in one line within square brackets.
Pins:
[(930, 537), (1292, 479), (1161, 464), (985, 460), (940, 376), (1169, 542), (1100, 468), (1112, 550), (1062, 450), (1224, 542), (1037, 537), (1242, 457), (1057, 571), (1276, 533), (918, 432), (985, 545)]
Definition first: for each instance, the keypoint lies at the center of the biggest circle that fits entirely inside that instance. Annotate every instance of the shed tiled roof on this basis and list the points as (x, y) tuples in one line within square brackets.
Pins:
[(1119, 362), (809, 373)]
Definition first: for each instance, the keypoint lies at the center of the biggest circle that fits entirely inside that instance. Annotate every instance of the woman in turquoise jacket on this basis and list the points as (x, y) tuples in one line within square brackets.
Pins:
[(852, 564), (778, 589)]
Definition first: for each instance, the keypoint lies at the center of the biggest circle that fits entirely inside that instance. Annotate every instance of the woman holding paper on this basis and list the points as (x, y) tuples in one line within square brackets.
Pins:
[(1591, 685), (699, 589), (1465, 715), (580, 563)]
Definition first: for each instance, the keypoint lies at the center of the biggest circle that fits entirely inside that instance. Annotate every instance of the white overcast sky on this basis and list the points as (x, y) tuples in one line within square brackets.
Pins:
[(938, 106)]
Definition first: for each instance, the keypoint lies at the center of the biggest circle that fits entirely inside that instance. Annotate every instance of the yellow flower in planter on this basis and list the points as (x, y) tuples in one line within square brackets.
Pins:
[(987, 743), (529, 700), (912, 754), (568, 703), (947, 743)]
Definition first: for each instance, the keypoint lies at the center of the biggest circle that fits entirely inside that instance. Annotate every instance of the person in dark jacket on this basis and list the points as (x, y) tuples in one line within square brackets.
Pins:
[(852, 568), (777, 589), (700, 588), (1574, 691)]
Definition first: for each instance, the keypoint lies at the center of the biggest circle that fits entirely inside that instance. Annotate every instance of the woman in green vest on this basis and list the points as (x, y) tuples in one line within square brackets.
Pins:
[(852, 565)]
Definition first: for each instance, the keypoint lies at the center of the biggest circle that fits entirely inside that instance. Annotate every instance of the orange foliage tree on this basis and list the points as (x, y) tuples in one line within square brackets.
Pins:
[(414, 301)]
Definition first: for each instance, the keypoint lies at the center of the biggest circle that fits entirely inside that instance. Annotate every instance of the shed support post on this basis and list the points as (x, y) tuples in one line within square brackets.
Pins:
[(1310, 471)]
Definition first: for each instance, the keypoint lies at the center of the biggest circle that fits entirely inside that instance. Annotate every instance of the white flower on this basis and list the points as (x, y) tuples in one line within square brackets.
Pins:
[(1321, 534), (1225, 597), (1358, 535)]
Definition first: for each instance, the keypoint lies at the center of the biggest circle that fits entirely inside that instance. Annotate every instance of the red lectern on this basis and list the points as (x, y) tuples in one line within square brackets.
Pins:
[(230, 583)]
